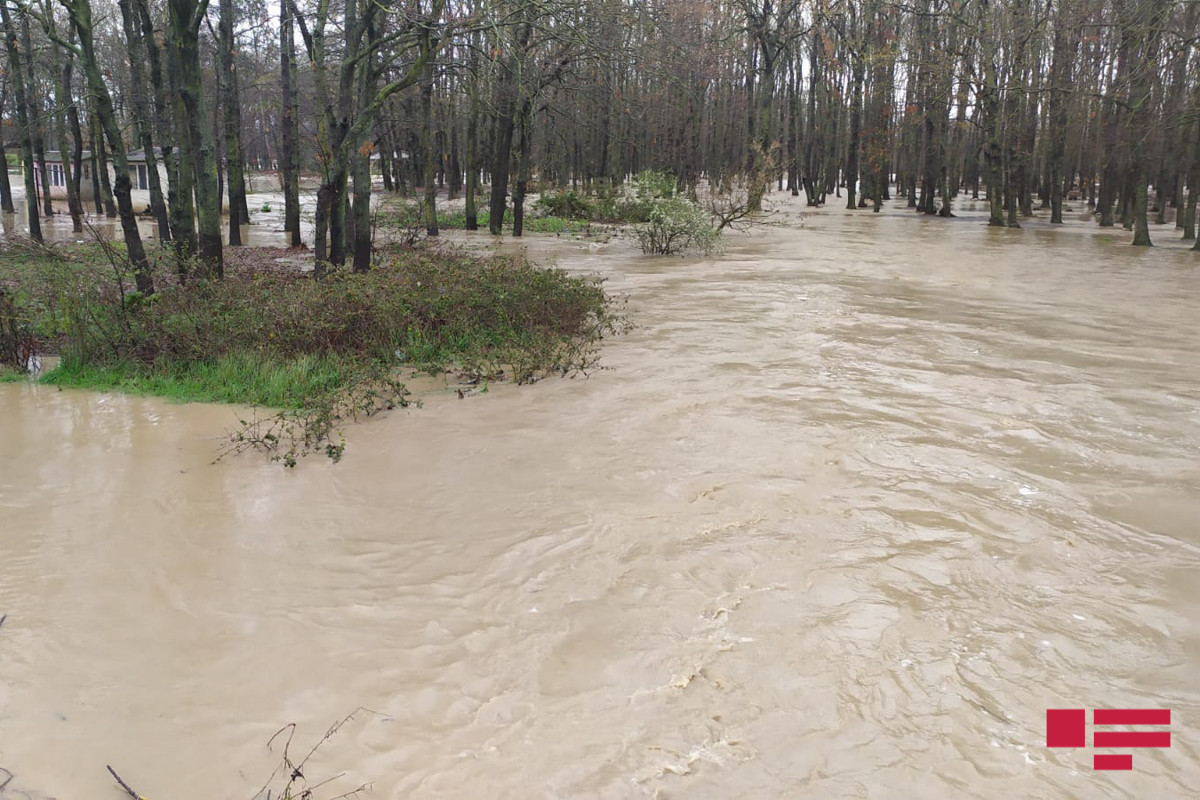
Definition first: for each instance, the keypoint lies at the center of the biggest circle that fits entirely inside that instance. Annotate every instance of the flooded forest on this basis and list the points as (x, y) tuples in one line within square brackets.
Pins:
[(599, 399)]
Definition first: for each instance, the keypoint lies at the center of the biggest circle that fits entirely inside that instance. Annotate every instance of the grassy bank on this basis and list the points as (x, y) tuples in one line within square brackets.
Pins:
[(239, 377), (272, 336)]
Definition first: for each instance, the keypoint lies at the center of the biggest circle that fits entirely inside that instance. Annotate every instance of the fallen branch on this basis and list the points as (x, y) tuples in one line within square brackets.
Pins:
[(5, 782), (125, 785), (296, 785)]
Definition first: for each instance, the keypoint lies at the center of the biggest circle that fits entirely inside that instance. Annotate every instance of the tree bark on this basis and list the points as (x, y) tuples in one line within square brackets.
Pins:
[(428, 143), (81, 18), (233, 126), (62, 93), (289, 135), (472, 164), (142, 126), (197, 153), (35, 118), (18, 78)]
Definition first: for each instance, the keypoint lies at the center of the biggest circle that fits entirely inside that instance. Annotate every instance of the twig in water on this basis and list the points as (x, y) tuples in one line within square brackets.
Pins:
[(2, 618), (124, 785), (354, 792), (295, 770), (4, 782)]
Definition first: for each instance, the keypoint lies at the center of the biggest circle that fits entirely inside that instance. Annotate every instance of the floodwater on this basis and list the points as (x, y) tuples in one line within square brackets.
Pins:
[(856, 503), (263, 198)]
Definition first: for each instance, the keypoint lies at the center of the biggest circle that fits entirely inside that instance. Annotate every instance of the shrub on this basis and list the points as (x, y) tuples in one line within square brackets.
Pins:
[(17, 342), (403, 225), (568, 205), (675, 225), (633, 204)]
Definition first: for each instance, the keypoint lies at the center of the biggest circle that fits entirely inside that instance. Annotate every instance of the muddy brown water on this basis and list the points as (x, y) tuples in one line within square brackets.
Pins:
[(860, 499)]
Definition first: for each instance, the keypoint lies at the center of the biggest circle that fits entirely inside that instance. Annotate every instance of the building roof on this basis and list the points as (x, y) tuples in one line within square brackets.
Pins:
[(139, 156), (134, 157), (54, 155)]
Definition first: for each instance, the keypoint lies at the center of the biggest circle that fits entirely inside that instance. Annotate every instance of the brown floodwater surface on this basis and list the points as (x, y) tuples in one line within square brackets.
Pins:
[(856, 503)]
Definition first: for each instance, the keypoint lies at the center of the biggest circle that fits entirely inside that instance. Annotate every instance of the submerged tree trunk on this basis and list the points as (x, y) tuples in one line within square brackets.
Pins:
[(1066, 49), (159, 126), (35, 118), (6, 198), (81, 18), (105, 194), (18, 79), (428, 145), (142, 128), (197, 155), (852, 147), (522, 182), (361, 176), (62, 93), (508, 88), (993, 150), (472, 164), (233, 126), (289, 134)]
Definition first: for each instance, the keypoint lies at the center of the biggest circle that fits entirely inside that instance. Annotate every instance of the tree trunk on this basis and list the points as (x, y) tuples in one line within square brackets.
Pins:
[(289, 135), (852, 147), (523, 148), (35, 119), (233, 127), (19, 97), (197, 153), (142, 125), (472, 165), (362, 212), (81, 17), (507, 88), (105, 194), (454, 168), (1066, 49), (429, 147), (62, 94), (6, 198), (993, 146), (1193, 184)]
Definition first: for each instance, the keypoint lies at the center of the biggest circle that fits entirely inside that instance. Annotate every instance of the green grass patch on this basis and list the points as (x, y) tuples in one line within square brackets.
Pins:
[(457, 220), (248, 378)]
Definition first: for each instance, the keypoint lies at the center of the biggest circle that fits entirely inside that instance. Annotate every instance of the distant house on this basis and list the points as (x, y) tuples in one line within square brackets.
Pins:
[(57, 173), (139, 175)]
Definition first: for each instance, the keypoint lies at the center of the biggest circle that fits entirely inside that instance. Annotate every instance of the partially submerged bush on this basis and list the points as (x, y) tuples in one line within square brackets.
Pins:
[(326, 350), (631, 203), (427, 308), (17, 342), (566, 204), (676, 225), (403, 224)]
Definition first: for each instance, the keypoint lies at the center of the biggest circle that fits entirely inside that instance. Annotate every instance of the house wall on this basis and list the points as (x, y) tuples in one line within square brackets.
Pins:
[(138, 177)]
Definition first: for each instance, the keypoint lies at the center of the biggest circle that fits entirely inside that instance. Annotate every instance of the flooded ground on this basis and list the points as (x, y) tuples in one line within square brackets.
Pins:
[(264, 199), (858, 502)]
